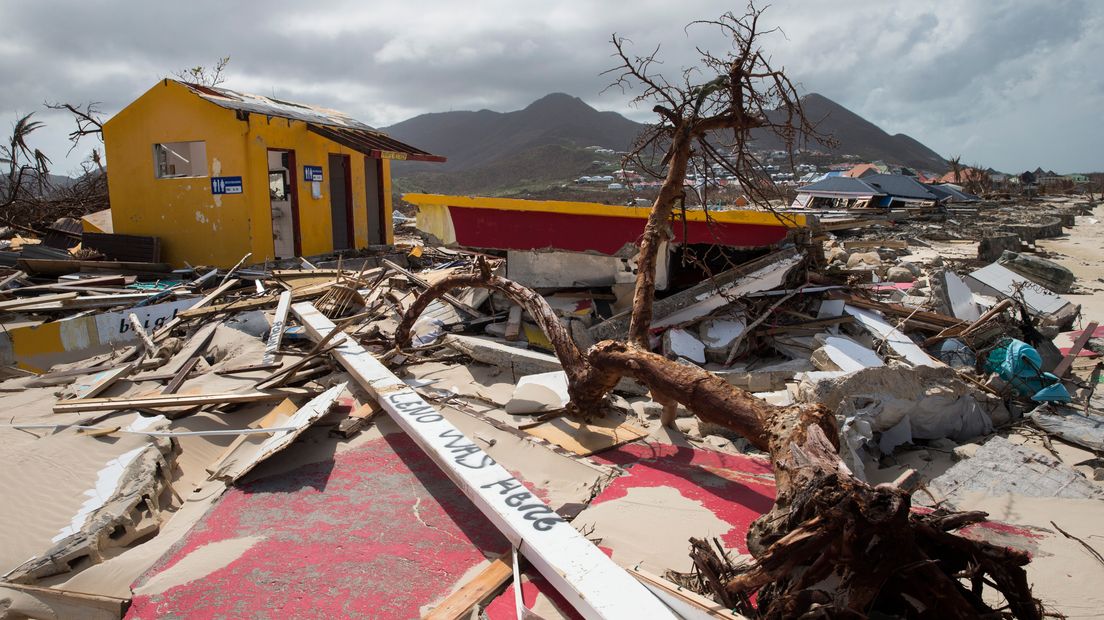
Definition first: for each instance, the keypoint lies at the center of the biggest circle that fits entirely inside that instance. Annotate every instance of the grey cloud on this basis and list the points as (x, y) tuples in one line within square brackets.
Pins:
[(965, 77)]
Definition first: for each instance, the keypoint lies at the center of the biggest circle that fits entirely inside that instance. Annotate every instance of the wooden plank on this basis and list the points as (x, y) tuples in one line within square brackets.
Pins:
[(476, 591), (244, 458), (357, 420), (1064, 366), (250, 368), (687, 603), (172, 400), (213, 295), (459, 305), (69, 285), (70, 604), (101, 381), (181, 375), (586, 578), (235, 268), (195, 345), (276, 334), (17, 304), (254, 303), (92, 302), (586, 439)]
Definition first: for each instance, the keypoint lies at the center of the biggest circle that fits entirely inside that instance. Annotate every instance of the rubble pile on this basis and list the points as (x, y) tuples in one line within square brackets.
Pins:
[(217, 438)]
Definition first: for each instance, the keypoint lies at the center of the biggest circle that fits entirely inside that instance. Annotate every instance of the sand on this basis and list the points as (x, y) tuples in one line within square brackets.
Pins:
[(1080, 252)]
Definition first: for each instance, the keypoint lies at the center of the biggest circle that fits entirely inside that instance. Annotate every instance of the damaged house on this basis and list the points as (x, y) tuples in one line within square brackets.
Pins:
[(216, 174)]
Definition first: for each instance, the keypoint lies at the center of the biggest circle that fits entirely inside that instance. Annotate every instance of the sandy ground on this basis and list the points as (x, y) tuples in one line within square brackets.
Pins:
[(1080, 252)]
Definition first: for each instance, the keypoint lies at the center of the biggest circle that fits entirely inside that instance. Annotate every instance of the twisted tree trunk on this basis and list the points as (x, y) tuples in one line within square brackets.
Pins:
[(831, 545)]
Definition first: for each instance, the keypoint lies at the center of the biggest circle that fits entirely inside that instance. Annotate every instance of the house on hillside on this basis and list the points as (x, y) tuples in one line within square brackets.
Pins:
[(862, 170), (216, 174)]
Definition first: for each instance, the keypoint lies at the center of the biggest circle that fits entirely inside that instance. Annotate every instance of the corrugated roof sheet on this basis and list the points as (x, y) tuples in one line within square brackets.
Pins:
[(900, 186), (336, 126), (840, 186)]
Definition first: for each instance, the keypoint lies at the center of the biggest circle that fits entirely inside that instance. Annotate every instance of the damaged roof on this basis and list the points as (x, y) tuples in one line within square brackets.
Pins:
[(843, 186), (900, 186), (331, 124)]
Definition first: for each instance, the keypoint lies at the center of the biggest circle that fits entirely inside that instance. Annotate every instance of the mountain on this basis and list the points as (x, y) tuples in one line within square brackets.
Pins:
[(471, 139), (545, 142), (857, 136)]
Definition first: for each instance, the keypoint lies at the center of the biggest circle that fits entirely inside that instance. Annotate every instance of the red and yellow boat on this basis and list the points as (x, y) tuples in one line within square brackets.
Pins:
[(513, 224)]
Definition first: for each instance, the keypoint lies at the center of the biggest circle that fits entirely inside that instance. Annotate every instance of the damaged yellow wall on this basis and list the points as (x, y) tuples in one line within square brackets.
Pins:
[(199, 227)]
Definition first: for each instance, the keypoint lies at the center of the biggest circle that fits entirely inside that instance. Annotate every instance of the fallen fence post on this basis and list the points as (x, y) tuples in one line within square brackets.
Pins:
[(590, 581)]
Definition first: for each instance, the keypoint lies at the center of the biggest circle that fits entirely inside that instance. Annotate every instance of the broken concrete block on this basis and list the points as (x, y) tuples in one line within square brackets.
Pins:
[(990, 248), (1039, 270), (718, 335), (1000, 467), (861, 259), (921, 403), (957, 297), (845, 354), (965, 451), (518, 361), (899, 274), (539, 393), (680, 343)]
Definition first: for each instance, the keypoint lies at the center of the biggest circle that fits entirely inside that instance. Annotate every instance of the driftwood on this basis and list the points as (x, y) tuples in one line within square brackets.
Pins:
[(832, 545)]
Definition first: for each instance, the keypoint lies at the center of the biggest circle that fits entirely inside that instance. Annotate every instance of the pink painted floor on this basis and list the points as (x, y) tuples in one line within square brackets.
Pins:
[(364, 535)]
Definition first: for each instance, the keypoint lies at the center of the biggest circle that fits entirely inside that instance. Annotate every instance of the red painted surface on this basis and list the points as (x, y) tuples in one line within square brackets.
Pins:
[(377, 532), (503, 229), (737, 489)]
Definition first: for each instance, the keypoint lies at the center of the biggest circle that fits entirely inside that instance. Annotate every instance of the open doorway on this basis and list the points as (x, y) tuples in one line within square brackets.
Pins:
[(341, 202), (283, 202), (373, 194)]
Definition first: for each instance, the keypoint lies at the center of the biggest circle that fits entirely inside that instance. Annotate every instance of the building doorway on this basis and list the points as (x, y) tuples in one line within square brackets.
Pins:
[(341, 202), (283, 202), (373, 196)]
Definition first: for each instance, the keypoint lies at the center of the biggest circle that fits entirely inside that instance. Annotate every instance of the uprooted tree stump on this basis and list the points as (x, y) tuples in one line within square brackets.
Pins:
[(832, 545)]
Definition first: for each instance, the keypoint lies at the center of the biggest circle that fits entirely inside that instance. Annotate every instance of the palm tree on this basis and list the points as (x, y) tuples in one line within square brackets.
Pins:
[(956, 167), (16, 151)]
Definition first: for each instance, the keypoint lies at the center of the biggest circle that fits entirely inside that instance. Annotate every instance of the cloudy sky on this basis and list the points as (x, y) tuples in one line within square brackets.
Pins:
[(1010, 84)]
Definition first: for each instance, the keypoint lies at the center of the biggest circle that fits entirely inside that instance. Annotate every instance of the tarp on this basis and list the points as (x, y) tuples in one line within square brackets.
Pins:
[(1020, 365)]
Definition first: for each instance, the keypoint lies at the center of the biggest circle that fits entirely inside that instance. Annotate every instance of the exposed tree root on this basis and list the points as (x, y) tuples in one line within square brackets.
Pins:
[(832, 546)]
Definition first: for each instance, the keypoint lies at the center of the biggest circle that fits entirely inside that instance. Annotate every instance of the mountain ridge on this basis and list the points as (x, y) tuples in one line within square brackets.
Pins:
[(486, 143)]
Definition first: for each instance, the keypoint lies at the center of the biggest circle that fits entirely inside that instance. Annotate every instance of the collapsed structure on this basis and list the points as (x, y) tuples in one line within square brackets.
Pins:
[(253, 440)]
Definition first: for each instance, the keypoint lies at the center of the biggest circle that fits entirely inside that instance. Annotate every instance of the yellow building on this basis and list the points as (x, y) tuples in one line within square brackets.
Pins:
[(216, 174)]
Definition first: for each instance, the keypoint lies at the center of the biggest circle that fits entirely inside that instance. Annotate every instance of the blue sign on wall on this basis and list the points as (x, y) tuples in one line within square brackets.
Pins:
[(312, 173), (226, 185)]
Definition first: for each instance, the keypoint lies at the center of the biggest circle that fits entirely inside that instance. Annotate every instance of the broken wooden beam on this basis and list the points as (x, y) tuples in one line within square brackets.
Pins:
[(459, 305), (1064, 366), (479, 589), (589, 580), (172, 400)]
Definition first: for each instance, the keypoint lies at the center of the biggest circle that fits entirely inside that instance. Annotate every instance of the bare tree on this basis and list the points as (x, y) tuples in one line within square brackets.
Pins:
[(712, 122), (832, 546), (87, 117), (204, 76)]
